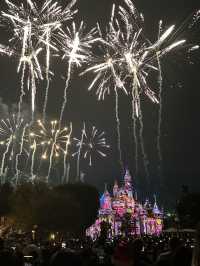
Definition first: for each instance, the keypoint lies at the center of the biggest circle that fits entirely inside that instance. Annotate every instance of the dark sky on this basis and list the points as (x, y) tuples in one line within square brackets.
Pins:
[(181, 95)]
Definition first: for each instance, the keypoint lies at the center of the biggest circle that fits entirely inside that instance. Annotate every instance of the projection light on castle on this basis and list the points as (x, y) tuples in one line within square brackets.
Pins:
[(125, 215)]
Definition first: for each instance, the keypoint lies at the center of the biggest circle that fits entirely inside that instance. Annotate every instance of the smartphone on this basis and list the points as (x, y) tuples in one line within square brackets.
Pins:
[(28, 260)]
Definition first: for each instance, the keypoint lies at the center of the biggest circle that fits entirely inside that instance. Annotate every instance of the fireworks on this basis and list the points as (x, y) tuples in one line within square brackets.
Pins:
[(91, 143), (46, 141), (34, 29), (122, 58), (51, 19), (12, 133), (128, 60), (76, 47), (106, 68), (129, 56), (19, 20), (51, 139)]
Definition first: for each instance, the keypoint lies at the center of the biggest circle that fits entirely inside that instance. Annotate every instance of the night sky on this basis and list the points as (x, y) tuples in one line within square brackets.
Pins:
[(181, 96)]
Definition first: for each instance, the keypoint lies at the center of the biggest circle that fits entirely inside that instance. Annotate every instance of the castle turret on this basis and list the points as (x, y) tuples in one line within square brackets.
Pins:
[(156, 210), (115, 189), (127, 178), (147, 205), (136, 196), (128, 183), (105, 200), (143, 218)]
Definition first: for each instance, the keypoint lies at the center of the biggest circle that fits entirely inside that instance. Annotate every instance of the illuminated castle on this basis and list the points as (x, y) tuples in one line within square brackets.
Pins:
[(124, 214)]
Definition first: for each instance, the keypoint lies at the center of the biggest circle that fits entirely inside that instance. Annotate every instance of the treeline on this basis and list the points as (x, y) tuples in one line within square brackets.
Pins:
[(65, 208), (188, 208)]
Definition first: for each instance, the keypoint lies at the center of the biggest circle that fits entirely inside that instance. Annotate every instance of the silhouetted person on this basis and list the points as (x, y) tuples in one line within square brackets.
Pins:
[(18, 256), (65, 258), (140, 259), (165, 259), (6, 255), (182, 257), (196, 252), (123, 255)]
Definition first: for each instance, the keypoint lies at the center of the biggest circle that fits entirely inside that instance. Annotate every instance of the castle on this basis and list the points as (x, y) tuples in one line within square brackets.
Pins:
[(125, 214)]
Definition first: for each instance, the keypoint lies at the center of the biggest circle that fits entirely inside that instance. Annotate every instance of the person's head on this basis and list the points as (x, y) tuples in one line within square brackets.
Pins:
[(138, 245), (18, 248), (64, 258)]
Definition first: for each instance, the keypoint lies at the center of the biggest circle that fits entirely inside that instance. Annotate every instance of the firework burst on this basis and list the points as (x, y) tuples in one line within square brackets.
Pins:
[(12, 132), (50, 20), (52, 140), (91, 144), (34, 29), (128, 60), (23, 46), (76, 47)]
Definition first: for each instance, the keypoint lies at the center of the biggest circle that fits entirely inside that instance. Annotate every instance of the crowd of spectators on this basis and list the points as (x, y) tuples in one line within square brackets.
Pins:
[(165, 250)]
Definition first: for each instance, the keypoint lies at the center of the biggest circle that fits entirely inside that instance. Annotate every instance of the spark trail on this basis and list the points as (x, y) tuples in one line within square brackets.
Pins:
[(118, 128), (128, 59), (4, 155), (34, 148), (11, 136), (20, 153), (80, 146), (76, 46), (160, 83), (66, 153), (34, 28), (53, 18)]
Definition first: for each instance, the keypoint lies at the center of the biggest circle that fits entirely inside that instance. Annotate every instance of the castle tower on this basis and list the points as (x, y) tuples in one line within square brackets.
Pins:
[(136, 196), (127, 178), (105, 200), (147, 205), (156, 210), (115, 189), (128, 183)]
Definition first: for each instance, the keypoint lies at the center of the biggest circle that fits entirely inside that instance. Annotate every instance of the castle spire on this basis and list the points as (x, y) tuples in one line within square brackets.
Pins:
[(115, 189), (128, 183), (155, 207), (106, 193), (105, 200), (127, 176), (105, 188), (136, 196)]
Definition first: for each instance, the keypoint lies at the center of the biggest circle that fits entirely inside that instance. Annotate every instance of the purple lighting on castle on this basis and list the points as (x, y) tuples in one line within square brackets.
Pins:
[(143, 218)]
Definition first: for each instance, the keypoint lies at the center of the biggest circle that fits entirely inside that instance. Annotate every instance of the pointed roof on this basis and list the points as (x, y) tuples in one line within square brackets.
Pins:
[(106, 193), (147, 204), (116, 184), (136, 196), (127, 176), (155, 206)]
